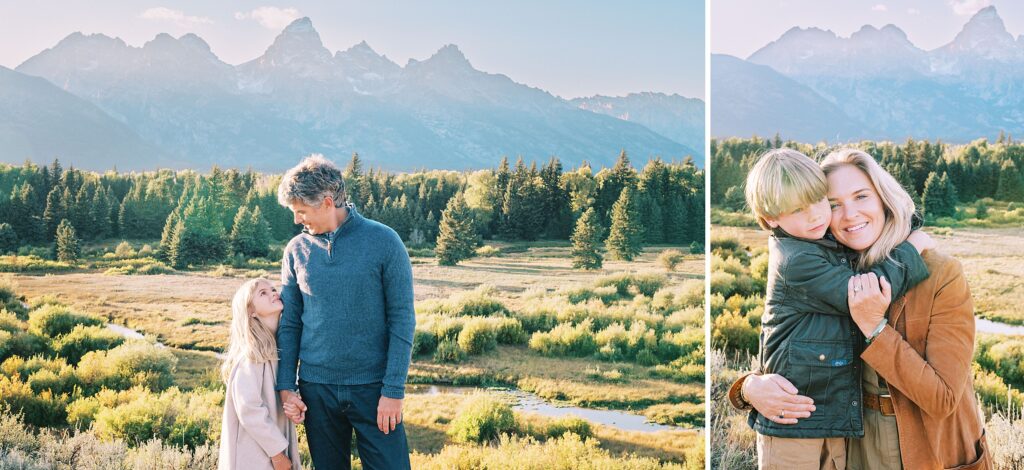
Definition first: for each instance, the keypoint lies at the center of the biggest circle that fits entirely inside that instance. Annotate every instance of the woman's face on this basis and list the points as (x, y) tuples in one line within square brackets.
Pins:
[(265, 301), (857, 211)]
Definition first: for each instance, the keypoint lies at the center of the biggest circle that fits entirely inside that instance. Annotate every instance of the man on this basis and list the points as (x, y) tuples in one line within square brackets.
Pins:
[(348, 318)]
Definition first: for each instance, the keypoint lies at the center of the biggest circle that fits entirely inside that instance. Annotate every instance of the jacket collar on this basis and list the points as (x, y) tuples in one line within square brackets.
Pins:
[(352, 220)]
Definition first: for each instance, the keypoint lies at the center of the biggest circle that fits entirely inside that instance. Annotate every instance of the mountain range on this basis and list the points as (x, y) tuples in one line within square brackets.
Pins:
[(173, 102), (811, 85)]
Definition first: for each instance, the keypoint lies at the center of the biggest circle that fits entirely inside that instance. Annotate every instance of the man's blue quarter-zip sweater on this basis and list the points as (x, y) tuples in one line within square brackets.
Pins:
[(348, 308)]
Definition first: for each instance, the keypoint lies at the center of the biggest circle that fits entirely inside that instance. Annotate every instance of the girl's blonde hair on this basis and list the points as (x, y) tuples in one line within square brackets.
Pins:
[(896, 203), (781, 181), (250, 339)]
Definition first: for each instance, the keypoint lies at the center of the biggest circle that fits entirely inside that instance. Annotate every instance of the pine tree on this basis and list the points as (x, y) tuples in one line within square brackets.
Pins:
[(354, 181), (8, 238), (585, 241), (457, 235), (198, 237), (56, 211), (66, 246), (1010, 187), (939, 197), (523, 205), (250, 234), (625, 237)]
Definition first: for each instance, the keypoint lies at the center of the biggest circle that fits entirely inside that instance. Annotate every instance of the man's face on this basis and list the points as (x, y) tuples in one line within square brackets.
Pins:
[(316, 219)]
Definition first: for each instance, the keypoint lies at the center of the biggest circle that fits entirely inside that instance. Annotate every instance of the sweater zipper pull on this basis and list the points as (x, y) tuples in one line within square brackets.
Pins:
[(329, 248)]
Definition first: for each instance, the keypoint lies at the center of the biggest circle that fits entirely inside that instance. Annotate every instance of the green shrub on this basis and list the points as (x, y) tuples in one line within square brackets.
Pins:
[(39, 409), (10, 322), (172, 416), (423, 342), (607, 294), (18, 366), (670, 258), (448, 351), (1007, 361), (574, 424), (57, 320), (482, 419), (487, 250), (535, 319), (134, 363), (59, 383), (477, 336), (22, 344), (479, 303), (124, 250), (35, 263), (510, 331), (646, 284), (7, 290), (565, 340), (733, 332), (83, 339)]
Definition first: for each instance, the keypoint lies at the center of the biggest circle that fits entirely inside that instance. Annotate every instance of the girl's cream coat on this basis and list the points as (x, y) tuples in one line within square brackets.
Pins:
[(254, 426)]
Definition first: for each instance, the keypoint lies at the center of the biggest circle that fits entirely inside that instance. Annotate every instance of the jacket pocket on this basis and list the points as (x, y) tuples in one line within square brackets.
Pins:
[(983, 461), (820, 369)]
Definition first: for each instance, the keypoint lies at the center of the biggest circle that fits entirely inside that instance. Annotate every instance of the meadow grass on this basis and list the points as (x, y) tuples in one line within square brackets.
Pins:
[(188, 311)]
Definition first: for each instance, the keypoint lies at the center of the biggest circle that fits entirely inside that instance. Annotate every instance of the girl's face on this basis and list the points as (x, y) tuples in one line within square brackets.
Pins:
[(265, 301), (857, 211)]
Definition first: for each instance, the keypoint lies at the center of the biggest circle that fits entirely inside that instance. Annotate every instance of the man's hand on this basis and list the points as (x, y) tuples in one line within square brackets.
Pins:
[(869, 298), (776, 398), (294, 408), (389, 414), (922, 241)]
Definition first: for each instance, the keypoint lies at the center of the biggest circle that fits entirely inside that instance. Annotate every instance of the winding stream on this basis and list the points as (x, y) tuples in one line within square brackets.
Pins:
[(528, 402)]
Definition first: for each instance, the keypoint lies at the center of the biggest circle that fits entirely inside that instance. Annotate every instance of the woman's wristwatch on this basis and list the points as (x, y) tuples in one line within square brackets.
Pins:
[(877, 331)]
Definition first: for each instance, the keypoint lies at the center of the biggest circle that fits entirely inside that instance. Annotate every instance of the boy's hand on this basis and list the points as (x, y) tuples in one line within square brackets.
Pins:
[(869, 298), (922, 241)]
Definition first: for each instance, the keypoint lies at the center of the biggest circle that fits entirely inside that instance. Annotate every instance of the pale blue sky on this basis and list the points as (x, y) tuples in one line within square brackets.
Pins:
[(568, 47), (740, 27)]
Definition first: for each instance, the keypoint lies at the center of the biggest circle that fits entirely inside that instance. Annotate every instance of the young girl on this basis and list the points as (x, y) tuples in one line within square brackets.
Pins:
[(255, 434)]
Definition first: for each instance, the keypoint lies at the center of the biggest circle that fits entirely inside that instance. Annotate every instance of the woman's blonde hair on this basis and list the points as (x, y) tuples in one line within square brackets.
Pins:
[(250, 339), (896, 203), (781, 181)]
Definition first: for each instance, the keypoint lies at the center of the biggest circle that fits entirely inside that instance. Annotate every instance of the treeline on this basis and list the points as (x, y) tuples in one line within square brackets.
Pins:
[(937, 175), (202, 218)]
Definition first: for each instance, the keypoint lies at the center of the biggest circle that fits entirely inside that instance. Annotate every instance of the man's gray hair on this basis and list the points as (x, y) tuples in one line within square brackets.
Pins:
[(312, 180)]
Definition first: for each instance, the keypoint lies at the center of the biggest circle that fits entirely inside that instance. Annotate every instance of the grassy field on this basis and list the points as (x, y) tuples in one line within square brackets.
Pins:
[(188, 311), (993, 260)]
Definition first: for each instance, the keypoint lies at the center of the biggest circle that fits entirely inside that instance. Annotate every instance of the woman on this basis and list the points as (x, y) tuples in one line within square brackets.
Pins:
[(255, 434), (919, 413)]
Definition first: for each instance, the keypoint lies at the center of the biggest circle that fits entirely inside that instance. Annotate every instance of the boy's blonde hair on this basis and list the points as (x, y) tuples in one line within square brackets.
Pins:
[(782, 181), (896, 202), (250, 339)]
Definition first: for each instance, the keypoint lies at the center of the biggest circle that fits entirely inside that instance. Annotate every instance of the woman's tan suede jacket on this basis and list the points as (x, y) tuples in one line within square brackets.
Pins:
[(925, 355)]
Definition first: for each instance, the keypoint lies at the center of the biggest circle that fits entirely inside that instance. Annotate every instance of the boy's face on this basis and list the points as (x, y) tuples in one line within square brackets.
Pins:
[(809, 222)]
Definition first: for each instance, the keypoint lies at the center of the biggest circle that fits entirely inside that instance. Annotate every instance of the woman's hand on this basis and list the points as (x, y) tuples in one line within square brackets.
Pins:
[(869, 298), (776, 398), (922, 241), (281, 462)]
